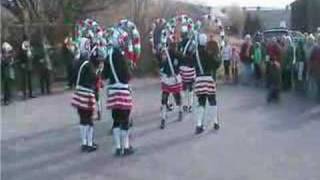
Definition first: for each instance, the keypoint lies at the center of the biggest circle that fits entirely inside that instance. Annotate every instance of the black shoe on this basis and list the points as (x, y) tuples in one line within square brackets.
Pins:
[(95, 145), (170, 107), (163, 124), (185, 108), (199, 129), (128, 151), (180, 116), (84, 148), (216, 126), (32, 96), (117, 153), (190, 109), (92, 148)]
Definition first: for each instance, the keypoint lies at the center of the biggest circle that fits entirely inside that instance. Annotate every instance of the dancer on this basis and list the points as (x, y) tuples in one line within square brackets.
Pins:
[(155, 39), (187, 70), (171, 59), (117, 70), (84, 99), (207, 62), (170, 81)]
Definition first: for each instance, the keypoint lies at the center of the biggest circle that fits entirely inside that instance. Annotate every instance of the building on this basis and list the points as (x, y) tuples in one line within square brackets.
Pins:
[(305, 15)]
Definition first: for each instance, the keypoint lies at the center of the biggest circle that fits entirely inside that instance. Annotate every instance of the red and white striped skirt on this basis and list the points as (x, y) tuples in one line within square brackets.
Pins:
[(188, 74), (171, 84), (205, 85), (84, 98), (119, 97)]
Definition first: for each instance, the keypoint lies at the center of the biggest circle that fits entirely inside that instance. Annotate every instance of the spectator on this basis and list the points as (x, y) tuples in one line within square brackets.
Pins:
[(257, 59), (68, 55), (26, 65), (235, 59), (45, 68), (226, 56), (310, 43), (7, 71), (315, 65), (246, 58), (300, 65), (273, 54), (287, 64)]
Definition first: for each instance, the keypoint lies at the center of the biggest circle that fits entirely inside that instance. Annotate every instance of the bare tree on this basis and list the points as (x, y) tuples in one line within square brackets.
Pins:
[(237, 17)]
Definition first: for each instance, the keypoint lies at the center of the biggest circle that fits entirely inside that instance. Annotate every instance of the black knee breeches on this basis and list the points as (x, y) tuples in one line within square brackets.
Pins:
[(202, 100), (121, 119), (85, 117), (187, 86), (165, 95)]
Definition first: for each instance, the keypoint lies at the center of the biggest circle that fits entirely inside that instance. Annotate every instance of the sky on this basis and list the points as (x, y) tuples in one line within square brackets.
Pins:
[(246, 3)]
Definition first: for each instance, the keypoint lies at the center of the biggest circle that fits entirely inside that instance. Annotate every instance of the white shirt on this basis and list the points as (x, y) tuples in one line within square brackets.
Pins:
[(226, 53)]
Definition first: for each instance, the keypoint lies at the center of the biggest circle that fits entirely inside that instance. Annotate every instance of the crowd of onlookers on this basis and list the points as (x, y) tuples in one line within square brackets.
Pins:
[(29, 64), (278, 63)]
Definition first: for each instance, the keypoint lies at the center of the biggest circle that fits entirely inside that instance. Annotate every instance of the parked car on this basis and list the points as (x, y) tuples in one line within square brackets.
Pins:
[(276, 32)]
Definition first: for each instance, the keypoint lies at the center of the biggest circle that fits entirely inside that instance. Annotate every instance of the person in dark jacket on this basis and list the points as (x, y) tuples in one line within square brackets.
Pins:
[(45, 67), (7, 72), (300, 72), (287, 64), (26, 66), (68, 55), (314, 64)]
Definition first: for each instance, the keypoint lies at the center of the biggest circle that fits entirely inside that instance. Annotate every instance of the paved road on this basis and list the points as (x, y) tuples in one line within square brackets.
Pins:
[(40, 141)]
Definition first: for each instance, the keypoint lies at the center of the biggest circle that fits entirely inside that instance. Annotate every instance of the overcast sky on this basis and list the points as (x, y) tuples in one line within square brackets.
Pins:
[(247, 3)]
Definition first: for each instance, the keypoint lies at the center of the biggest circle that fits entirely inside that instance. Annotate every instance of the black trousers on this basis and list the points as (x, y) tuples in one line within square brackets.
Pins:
[(26, 82), (121, 118), (286, 79), (226, 64), (45, 81), (257, 71), (6, 87), (85, 117), (165, 96), (235, 75), (70, 74), (202, 100), (267, 75), (187, 86), (273, 94)]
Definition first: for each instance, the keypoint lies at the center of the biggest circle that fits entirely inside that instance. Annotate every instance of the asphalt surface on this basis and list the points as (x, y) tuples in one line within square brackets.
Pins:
[(40, 140)]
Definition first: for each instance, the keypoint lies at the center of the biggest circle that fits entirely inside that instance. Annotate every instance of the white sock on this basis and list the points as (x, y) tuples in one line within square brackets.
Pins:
[(83, 134), (117, 137), (190, 98), (183, 97), (163, 113), (215, 114), (180, 108), (200, 115), (90, 135), (125, 138)]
